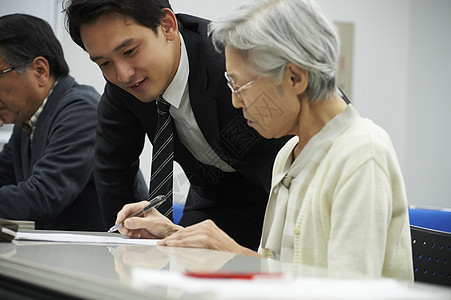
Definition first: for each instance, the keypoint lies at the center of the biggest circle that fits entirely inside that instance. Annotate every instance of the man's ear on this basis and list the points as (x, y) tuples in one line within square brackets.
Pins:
[(41, 70), (169, 24), (297, 77)]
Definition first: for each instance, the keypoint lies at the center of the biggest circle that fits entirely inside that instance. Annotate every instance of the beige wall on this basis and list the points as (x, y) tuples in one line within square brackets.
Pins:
[(401, 61)]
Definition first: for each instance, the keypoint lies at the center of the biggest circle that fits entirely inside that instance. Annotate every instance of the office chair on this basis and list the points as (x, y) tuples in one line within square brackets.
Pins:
[(432, 218), (431, 255)]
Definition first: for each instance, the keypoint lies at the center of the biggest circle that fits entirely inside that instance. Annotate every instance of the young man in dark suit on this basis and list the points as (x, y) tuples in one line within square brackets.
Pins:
[(46, 168), (144, 50)]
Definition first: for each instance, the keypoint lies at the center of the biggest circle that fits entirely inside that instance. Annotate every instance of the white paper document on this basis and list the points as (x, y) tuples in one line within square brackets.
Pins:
[(284, 288), (81, 238)]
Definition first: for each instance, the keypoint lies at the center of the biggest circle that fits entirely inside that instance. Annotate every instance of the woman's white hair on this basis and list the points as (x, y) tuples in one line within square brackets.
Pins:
[(271, 33)]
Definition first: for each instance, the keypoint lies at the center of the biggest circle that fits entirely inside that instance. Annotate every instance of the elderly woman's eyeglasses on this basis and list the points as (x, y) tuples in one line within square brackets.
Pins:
[(6, 70), (231, 84)]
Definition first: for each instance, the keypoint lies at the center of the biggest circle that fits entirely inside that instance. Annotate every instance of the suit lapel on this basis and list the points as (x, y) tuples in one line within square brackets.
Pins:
[(201, 102), (24, 148), (41, 131)]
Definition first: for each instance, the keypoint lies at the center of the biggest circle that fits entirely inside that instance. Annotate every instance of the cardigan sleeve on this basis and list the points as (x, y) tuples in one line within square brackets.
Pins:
[(360, 216)]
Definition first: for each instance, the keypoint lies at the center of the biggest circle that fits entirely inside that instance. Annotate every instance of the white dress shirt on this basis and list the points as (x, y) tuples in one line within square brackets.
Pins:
[(188, 130)]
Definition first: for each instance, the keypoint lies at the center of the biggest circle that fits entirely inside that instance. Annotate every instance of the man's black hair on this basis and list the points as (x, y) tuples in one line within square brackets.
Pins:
[(24, 37), (79, 12)]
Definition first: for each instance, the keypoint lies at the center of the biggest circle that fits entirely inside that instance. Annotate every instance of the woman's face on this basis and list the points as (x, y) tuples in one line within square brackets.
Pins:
[(272, 109)]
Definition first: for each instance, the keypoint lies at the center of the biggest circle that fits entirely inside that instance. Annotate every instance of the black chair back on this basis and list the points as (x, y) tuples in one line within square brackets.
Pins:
[(431, 255)]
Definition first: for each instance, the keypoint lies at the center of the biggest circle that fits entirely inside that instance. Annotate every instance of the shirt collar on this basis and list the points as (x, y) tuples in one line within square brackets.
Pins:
[(34, 118), (173, 94)]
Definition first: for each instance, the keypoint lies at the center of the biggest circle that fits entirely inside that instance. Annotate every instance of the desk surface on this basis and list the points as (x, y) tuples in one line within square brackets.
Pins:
[(95, 271)]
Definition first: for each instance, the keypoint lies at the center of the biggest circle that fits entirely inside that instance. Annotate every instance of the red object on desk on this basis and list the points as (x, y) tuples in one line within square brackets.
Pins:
[(232, 275)]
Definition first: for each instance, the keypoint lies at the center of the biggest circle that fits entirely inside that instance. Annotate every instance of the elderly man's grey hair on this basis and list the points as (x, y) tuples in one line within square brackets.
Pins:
[(271, 33)]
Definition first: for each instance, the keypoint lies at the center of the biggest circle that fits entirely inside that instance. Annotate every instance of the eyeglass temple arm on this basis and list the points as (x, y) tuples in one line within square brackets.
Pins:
[(343, 95)]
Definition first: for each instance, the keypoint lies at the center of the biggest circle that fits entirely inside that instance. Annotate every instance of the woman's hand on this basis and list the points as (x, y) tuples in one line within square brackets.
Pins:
[(205, 235), (152, 225)]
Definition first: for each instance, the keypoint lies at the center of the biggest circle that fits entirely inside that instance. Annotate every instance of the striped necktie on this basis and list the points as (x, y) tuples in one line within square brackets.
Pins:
[(162, 158)]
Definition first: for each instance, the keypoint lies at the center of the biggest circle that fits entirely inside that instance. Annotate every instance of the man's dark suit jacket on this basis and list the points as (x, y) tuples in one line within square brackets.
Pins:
[(50, 179), (235, 201)]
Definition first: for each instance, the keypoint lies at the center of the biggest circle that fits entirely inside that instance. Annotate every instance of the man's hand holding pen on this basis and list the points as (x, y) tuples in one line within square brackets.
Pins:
[(154, 202), (151, 225), (141, 221)]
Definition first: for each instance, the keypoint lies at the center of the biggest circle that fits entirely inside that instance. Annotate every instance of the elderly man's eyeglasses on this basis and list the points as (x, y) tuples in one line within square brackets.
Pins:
[(231, 84), (7, 70)]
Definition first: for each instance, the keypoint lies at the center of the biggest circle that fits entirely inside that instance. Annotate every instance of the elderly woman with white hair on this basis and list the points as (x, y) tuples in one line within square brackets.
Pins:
[(338, 199)]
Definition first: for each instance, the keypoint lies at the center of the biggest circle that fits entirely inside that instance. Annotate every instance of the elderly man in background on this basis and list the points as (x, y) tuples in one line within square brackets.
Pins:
[(46, 168)]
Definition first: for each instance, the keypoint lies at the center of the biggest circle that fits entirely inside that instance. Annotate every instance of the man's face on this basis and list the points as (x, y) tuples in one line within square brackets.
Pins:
[(132, 56), (18, 95)]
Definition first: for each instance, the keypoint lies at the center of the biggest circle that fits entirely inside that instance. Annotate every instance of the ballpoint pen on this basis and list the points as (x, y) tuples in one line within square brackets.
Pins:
[(234, 275), (152, 203)]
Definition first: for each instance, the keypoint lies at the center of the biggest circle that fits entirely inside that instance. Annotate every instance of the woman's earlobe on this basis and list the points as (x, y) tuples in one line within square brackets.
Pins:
[(298, 77)]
